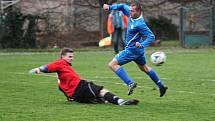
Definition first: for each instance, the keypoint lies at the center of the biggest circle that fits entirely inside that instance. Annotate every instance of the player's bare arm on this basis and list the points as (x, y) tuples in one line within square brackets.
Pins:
[(38, 70)]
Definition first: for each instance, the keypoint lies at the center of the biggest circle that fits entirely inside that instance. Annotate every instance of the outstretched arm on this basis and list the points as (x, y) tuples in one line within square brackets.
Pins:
[(49, 68), (40, 69), (122, 7)]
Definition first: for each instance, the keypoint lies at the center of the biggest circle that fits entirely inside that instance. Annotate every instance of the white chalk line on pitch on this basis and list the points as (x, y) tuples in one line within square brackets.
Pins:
[(178, 91), (118, 77)]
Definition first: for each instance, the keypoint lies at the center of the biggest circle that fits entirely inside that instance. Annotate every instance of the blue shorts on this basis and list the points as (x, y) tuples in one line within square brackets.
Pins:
[(126, 56)]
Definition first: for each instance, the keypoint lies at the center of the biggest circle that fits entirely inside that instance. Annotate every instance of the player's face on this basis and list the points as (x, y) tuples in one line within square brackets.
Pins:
[(68, 57), (134, 13)]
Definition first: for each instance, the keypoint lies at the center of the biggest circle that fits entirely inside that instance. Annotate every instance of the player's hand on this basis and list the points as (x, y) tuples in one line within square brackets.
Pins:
[(138, 45), (34, 71), (106, 7)]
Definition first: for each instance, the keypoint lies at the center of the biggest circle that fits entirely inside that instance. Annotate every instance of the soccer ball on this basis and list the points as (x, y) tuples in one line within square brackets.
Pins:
[(158, 58)]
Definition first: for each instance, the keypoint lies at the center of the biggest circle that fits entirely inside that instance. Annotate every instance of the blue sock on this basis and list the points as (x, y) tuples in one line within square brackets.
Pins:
[(152, 74), (123, 75)]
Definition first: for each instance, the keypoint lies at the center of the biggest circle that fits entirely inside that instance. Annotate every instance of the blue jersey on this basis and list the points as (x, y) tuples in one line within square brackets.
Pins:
[(137, 29)]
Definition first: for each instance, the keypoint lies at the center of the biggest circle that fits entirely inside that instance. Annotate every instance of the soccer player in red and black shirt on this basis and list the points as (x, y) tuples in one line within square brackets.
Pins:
[(73, 87)]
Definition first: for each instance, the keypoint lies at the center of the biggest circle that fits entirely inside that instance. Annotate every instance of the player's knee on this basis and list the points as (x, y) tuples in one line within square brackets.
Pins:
[(103, 92), (145, 68), (111, 65)]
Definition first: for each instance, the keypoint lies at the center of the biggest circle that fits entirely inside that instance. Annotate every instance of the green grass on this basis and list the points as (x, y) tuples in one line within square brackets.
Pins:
[(189, 73)]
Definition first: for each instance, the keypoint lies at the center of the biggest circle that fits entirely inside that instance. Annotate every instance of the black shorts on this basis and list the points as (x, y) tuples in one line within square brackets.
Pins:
[(86, 92)]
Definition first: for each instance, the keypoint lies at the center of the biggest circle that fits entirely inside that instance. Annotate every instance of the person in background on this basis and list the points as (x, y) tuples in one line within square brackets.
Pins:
[(116, 27)]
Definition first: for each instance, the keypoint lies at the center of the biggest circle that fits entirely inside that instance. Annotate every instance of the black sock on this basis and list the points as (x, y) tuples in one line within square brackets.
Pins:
[(111, 98)]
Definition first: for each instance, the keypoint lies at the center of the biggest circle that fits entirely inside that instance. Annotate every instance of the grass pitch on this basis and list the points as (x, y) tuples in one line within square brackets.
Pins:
[(189, 74)]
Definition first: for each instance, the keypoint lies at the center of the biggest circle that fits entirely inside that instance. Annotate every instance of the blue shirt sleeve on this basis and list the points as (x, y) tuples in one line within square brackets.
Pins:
[(145, 31), (122, 7)]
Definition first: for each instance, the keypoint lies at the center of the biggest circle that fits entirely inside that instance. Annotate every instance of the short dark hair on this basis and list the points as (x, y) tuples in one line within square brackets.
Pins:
[(137, 4), (113, 1), (66, 50)]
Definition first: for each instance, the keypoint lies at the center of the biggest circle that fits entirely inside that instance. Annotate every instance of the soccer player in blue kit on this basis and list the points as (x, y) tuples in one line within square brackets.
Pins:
[(138, 37)]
